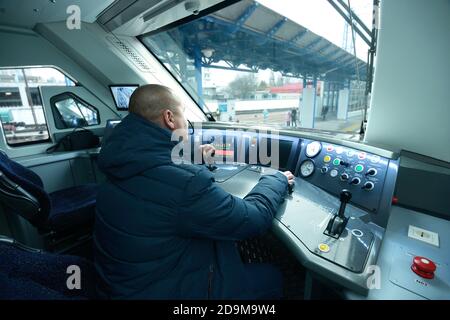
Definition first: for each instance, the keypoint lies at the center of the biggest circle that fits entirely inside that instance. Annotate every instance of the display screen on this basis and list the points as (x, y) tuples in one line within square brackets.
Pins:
[(225, 150), (284, 151), (122, 94)]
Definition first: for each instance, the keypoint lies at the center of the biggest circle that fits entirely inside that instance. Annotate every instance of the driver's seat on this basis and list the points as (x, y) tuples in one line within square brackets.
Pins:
[(31, 274)]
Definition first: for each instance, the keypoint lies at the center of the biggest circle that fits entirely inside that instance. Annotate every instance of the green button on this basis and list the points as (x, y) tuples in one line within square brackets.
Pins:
[(336, 162), (359, 168)]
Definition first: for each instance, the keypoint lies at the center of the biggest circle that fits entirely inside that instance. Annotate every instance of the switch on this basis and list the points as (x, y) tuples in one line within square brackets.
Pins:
[(423, 235), (344, 163), (368, 186), (344, 176), (371, 172)]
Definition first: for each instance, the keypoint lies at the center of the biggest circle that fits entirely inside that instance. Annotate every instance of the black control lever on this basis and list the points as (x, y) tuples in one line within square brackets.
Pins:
[(337, 223), (291, 188), (345, 197), (210, 166)]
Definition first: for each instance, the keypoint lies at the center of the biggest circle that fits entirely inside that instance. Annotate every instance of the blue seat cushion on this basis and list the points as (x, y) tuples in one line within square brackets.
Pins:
[(17, 288), (72, 207), (39, 275)]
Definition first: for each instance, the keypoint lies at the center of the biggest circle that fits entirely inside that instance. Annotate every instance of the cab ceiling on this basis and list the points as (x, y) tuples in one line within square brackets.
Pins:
[(26, 14)]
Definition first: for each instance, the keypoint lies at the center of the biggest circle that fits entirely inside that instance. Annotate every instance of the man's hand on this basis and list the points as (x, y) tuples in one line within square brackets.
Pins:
[(290, 177), (208, 152)]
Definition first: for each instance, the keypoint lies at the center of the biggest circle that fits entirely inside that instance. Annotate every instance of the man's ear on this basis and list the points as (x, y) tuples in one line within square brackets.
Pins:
[(168, 118)]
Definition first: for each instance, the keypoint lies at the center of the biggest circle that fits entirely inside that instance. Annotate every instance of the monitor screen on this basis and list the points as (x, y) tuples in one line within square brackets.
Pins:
[(224, 150), (122, 94), (284, 152)]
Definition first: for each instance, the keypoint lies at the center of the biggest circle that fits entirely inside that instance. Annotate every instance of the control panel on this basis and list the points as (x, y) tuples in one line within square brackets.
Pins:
[(334, 168), (254, 148)]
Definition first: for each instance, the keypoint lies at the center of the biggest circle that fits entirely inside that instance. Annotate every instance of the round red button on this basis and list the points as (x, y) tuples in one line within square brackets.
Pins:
[(423, 267)]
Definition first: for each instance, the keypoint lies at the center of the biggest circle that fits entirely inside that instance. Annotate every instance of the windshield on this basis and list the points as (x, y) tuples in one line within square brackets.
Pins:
[(249, 63)]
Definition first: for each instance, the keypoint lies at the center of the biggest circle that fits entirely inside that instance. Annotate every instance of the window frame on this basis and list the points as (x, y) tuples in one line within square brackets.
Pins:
[(57, 114), (49, 139)]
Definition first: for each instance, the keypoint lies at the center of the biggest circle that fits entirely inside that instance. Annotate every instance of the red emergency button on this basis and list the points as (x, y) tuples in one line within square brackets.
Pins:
[(423, 267)]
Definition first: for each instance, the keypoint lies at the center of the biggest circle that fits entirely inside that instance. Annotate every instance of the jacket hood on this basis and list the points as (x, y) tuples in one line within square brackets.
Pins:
[(135, 145)]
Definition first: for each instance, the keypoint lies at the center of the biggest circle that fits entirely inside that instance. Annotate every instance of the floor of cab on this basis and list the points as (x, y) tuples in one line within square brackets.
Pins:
[(269, 249)]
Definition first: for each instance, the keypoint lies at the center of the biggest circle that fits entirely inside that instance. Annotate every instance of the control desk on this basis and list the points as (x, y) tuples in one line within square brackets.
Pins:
[(301, 221), (334, 219), (352, 258)]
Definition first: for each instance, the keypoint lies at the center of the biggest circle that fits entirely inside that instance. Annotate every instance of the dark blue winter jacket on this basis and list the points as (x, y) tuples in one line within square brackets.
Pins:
[(167, 231)]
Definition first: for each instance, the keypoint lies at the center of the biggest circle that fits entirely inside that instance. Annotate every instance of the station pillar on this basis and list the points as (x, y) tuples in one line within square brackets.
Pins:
[(198, 74), (307, 108), (343, 101), (319, 99)]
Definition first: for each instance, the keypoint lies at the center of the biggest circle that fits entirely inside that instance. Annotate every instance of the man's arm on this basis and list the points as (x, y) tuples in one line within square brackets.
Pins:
[(211, 212)]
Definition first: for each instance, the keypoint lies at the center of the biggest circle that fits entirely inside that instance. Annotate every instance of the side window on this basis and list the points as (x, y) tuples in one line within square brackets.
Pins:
[(21, 110), (70, 111)]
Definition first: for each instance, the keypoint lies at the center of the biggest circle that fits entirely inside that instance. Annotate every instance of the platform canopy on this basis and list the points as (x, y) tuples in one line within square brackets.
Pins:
[(251, 35)]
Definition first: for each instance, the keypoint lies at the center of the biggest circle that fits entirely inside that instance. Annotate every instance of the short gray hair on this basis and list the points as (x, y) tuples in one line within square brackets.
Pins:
[(150, 100)]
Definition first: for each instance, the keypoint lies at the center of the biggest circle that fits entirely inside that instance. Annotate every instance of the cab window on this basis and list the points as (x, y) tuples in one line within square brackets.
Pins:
[(70, 111), (284, 64), (21, 111)]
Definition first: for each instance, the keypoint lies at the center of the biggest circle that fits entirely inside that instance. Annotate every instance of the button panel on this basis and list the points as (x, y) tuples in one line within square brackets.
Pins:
[(341, 167)]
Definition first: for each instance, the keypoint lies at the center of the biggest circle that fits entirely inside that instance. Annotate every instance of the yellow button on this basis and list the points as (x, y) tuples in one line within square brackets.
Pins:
[(324, 247), (326, 159)]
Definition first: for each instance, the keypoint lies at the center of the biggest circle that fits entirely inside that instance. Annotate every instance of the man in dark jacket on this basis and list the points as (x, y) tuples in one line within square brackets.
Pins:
[(167, 231)]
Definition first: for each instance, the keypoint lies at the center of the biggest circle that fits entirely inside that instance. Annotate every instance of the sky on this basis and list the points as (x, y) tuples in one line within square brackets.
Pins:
[(319, 17)]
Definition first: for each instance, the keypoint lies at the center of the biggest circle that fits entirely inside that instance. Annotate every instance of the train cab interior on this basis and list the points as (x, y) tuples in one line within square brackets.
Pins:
[(350, 96)]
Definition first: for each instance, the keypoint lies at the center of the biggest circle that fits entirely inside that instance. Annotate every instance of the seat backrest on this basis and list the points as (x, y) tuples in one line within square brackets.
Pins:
[(27, 273), (22, 191)]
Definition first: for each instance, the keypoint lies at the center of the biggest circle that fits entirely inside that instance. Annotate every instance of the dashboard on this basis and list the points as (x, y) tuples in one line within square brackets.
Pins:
[(332, 167), (309, 221)]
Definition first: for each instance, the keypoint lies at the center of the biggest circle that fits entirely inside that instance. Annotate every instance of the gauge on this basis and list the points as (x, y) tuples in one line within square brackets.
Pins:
[(313, 149), (307, 168)]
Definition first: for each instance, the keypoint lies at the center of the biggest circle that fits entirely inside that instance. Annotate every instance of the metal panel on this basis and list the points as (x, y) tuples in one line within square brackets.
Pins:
[(83, 171), (396, 256), (56, 176)]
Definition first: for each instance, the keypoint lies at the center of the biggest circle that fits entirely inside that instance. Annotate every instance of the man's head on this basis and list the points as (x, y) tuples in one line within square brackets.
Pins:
[(160, 105)]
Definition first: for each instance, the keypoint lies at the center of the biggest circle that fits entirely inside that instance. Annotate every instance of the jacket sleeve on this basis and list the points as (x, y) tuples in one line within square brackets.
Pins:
[(210, 212)]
